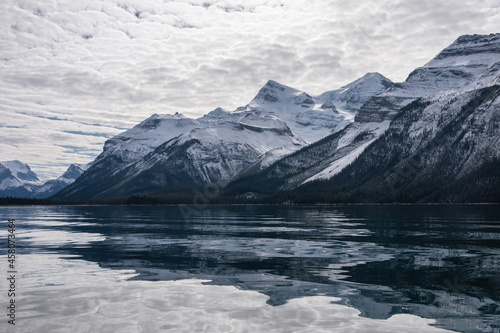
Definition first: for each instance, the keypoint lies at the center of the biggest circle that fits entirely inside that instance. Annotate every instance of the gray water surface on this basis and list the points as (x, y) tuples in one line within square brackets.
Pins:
[(431, 262)]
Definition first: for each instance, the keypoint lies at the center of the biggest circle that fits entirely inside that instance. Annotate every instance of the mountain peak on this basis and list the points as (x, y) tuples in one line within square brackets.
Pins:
[(20, 170), (273, 92), (472, 61), (352, 96), (276, 85), (73, 172), (370, 79)]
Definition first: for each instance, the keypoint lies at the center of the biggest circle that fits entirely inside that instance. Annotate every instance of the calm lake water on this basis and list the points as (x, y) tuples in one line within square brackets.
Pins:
[(255, 269)]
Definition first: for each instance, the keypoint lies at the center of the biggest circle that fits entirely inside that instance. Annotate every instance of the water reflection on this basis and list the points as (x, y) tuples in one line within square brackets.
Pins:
[(437, 262)]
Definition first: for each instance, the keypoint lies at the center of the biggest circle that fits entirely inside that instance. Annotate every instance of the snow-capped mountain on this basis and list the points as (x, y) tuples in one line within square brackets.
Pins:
[(314, 117), (53, 186), (470, 63), (438, 139), (132, 145), (436, 150), (169, 153), (351, 139), (350, 98), (18, 180)]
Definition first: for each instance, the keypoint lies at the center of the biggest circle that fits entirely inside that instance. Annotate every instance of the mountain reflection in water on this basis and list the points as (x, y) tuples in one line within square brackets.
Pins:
[(439, 262)]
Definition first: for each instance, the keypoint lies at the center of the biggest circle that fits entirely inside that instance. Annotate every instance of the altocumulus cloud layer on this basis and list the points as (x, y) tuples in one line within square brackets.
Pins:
[(73, 73)]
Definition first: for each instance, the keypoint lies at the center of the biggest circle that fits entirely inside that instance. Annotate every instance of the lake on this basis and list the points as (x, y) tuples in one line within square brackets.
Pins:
[(252, 269)]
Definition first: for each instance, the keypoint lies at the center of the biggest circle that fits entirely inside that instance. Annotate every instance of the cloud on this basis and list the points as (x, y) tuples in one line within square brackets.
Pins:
[(106, 65)]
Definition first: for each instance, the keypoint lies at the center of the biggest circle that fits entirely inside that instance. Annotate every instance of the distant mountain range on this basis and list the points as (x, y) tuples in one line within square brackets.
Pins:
[(432, 138), (18, 180)]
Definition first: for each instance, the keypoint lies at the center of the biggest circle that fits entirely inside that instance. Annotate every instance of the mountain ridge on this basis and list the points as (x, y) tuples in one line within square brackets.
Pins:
[(18, 180), (439, 97), (344, 145), (216, 146)]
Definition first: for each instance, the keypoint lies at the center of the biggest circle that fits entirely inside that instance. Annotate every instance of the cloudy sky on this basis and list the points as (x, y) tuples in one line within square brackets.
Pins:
[(74, 73)]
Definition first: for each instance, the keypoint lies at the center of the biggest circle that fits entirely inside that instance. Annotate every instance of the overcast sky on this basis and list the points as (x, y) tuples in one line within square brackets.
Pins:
[(74, 73)]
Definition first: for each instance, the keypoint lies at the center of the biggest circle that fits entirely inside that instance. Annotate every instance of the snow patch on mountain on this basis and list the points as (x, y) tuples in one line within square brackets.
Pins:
[(367, 132), (340, 164)]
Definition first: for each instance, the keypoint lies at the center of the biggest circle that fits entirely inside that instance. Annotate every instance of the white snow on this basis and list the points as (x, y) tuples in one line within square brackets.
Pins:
[(468, 60), (352, 96), (374, 130), (340, 164), (21, 176), (356, 129), (16, 167), (310, 117), (134, 144), (10, 183), (231, 146)]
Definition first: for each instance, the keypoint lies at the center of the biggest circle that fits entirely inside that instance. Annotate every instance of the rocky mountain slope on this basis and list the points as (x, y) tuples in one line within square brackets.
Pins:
[(53, 186), (457, 160)]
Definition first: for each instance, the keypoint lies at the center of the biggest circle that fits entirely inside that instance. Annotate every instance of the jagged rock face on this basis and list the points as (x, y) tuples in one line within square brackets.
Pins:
[(380, 108), (268, 94), (471, 62)]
